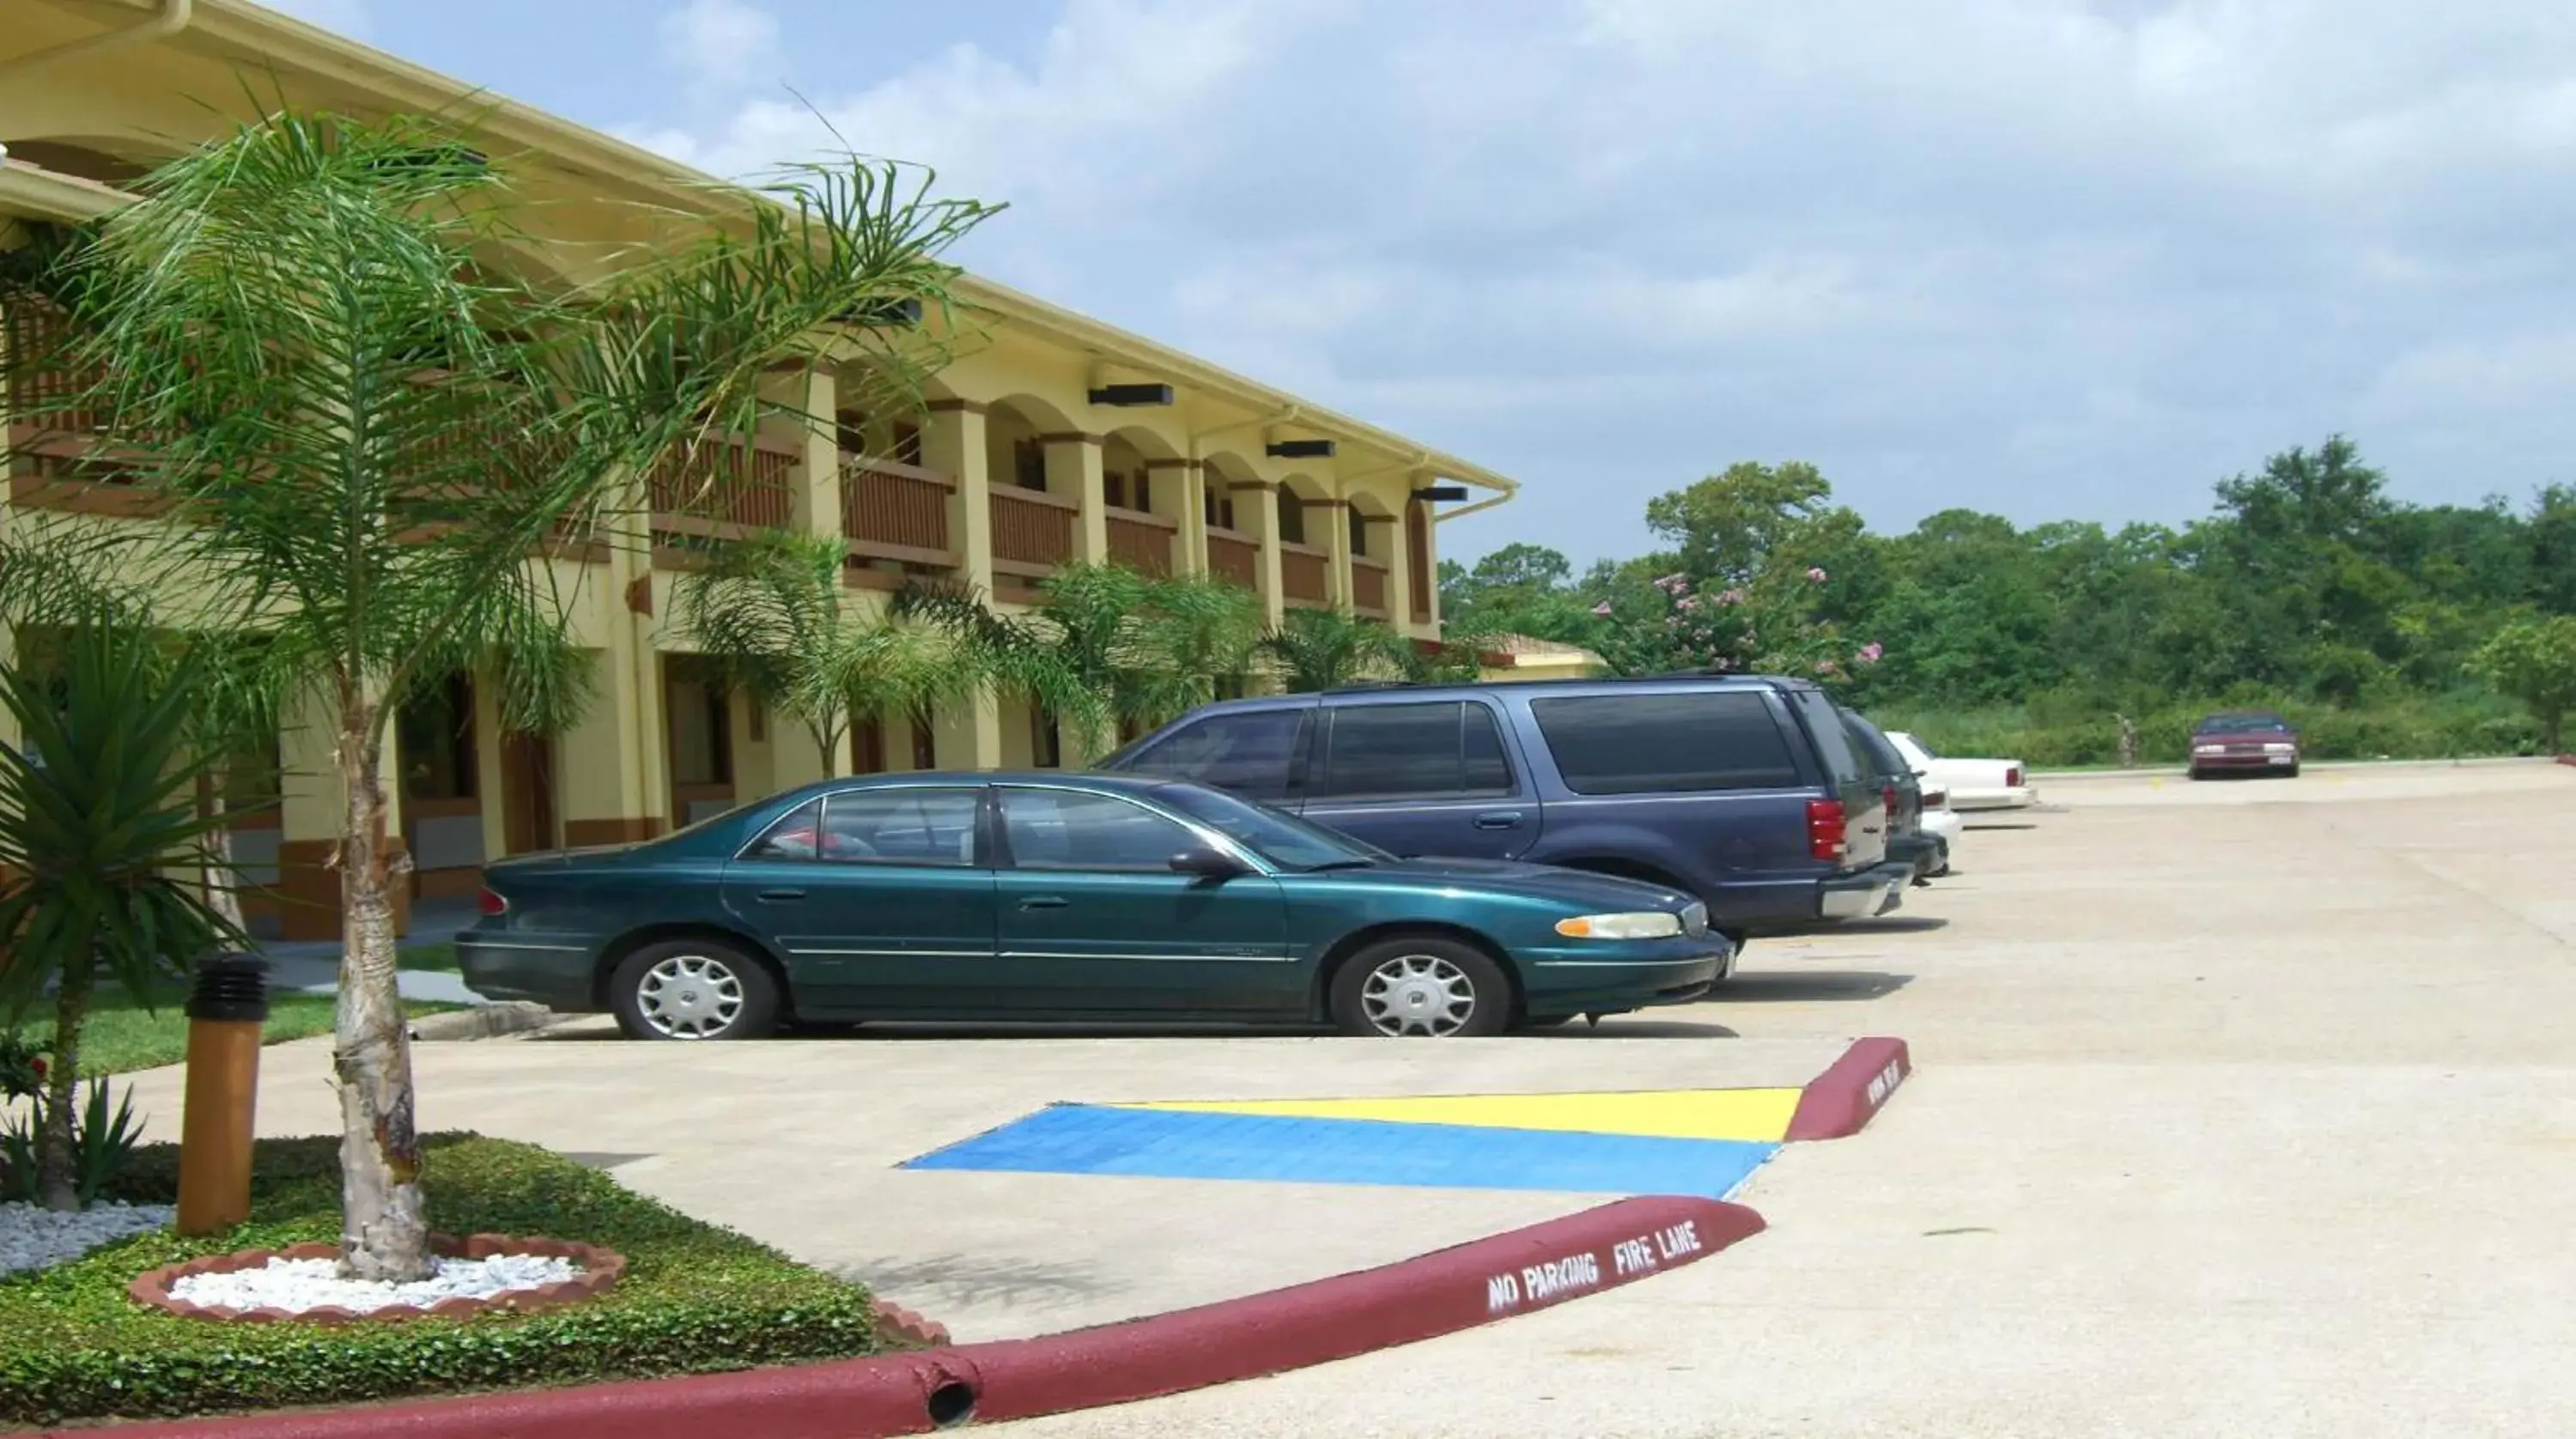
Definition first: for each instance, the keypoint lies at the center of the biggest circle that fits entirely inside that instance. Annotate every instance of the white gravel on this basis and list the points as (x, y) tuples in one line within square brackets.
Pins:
[(296, 1285), (36, 1238)]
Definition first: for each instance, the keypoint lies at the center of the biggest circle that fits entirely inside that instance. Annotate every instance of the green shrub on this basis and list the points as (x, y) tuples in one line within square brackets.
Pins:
[(694, 1298), (2063, 730)]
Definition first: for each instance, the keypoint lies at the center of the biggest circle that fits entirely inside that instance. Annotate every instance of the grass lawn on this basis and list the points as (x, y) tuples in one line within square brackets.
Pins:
[(123, 1035), (694, 1298)]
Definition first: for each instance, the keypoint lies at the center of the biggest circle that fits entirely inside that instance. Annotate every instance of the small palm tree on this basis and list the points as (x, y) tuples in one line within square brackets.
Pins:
[(1325, 649), (772, 612), (99, 836), (363, 437), (1106, 646)]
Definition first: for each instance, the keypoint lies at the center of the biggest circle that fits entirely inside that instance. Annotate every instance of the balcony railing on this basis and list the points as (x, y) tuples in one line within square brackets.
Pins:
[(897, 512), (1234, 558), (1032, 532), (1368, 586), (722, 490), (1302, 575), (68, 464), (1141, 541)]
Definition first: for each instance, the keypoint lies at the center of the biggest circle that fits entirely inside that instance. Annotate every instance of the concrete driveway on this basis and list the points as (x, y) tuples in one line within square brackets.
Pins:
[(2241, 1109)]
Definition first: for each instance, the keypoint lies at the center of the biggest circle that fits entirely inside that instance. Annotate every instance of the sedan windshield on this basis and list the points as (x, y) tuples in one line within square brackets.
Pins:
[(2243, 724), (1282, 839)]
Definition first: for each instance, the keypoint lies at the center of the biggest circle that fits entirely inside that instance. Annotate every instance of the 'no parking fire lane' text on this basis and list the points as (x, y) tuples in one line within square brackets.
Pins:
[(1555, 1279)]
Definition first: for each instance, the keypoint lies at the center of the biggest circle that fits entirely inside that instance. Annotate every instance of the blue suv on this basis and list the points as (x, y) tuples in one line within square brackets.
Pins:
[(1743, 790)]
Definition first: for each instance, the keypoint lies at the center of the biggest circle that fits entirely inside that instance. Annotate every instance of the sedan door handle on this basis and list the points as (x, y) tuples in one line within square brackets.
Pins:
[(777, 896), (1045, 901), (1499, 819)]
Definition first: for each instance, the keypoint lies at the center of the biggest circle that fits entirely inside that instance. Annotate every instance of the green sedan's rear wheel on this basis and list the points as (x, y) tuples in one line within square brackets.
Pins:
[(1421, 988), (693, 989)]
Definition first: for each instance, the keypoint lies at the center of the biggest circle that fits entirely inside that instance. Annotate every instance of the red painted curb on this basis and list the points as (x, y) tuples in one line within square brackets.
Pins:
[(2567, 759), (1413, 1299), (1851, 1091)]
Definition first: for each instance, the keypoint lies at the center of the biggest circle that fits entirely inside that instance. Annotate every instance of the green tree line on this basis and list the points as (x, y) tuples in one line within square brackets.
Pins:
[(2383, 627)]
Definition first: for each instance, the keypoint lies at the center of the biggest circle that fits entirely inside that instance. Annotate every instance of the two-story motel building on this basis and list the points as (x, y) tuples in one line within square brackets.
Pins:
[(1050, 438)]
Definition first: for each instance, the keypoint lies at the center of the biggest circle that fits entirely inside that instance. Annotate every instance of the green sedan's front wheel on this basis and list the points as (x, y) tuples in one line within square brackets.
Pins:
[(693, 989), (1421, 988)]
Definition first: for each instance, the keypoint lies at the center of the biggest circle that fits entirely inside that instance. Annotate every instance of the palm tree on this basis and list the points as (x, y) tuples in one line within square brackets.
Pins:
[(1105, 647), (771, 611), (98, 835), (1325, 649), (365, 436)]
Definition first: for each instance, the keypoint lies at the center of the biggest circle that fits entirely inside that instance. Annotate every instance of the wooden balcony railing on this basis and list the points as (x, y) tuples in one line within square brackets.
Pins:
[(1368, 586), (1032, 531), (1234, 558), (892, 511), (1302, 575), (62, 433), (1141, 541), (720, 491)]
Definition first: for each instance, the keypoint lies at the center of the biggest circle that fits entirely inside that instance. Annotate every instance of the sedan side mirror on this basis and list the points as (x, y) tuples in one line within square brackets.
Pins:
[(1206, 862)]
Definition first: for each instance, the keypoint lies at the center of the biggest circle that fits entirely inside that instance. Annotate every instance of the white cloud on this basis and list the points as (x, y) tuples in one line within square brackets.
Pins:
[(2045, 256), (721, 42)]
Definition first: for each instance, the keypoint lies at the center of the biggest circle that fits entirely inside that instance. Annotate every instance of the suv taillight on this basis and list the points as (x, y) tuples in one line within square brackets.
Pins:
[(1825, 838), (2012, 777), (492, 904), (1887, 798)]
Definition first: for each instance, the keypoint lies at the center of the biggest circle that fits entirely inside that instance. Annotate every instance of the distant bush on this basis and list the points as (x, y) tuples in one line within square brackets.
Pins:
[(2060, 730)]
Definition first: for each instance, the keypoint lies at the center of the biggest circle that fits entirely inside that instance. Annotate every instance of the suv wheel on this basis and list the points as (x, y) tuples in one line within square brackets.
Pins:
[(693, 989), (1421, 988)]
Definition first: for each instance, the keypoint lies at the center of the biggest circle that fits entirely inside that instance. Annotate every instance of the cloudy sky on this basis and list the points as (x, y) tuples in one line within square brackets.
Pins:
[(2052, 258)]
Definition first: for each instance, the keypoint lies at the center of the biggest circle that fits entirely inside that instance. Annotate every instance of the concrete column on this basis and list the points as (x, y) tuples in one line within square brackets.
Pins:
[(969, 734), (1386, 542), (1189, 483), (817, 496), (1074, 471), (1336, 519), (313, 808), (952, 442), (1258, 507)]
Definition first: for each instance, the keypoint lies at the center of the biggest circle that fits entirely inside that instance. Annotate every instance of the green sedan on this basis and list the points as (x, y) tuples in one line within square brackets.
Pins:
[(1051, 897)]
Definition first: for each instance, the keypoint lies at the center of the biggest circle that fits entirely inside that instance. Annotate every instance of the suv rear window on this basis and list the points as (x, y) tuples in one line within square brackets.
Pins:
[(1446, 749), (1833, 742), (1666, 743)]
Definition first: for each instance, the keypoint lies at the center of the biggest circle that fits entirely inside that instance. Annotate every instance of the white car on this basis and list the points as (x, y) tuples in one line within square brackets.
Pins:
[(1943, 823), (1971, 783)]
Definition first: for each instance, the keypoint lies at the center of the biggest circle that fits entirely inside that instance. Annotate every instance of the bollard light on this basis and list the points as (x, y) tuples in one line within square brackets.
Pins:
[(227, 1009)]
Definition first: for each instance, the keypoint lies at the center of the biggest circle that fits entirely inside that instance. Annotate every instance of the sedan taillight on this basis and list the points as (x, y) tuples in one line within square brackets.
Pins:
[(1825, 838), (2012, 777), (492, 904)]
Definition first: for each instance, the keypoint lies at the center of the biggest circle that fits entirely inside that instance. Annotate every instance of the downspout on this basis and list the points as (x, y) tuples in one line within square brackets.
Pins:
[(171, 18)]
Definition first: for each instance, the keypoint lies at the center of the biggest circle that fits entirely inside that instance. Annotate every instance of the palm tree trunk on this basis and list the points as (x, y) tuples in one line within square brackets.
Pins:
[(384, 1231), (56, 1185)]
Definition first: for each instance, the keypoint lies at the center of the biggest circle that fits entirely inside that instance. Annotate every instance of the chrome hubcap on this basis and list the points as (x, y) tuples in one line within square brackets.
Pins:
[(690, 996), (1418, 994)]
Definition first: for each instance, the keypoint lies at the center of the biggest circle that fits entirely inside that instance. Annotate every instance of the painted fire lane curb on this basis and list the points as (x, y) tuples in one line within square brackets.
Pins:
[(1843, 1099), (1350, 1314)]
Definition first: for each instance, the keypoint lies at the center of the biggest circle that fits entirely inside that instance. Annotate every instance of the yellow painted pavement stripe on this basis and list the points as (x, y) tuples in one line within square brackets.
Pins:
[(1747, 1114)]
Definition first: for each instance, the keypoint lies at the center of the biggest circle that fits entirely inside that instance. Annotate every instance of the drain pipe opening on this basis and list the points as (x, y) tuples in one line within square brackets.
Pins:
[(952, 1405)]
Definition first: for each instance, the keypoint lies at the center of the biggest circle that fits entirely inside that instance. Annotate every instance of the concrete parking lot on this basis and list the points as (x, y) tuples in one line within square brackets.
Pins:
[(2240, 1109)]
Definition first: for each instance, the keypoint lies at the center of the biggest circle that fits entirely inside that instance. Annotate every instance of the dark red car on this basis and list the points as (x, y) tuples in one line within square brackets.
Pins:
[(2244, 742)]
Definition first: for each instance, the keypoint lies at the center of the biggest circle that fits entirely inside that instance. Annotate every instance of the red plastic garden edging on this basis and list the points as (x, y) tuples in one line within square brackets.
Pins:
[(1420, 1298)]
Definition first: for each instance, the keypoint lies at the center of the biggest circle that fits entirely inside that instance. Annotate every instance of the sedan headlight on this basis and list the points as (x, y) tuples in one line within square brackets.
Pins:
[(1642, 924), (2209, 749), (2279, 748)]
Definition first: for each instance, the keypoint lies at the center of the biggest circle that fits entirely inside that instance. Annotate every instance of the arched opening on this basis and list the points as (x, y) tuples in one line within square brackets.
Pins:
[(1142, 523), (1373, 541), (1015, 451), (1036, 481), (107, 162), (1305, 547), (1233, 550)]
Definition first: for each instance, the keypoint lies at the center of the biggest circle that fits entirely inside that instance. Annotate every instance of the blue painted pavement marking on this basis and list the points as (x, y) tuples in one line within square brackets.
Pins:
[(1093, 1139)]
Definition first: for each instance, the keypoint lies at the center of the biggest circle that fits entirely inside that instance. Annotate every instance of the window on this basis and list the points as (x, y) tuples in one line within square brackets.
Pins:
[(1028, 464), (1292, 518), (925, 743), (906, 825), (1412, 751), (1068, 829), (1046, 740), (1142, 487), (1113, 488), (1247, 754), (1216, 506), (1833, 742), (907, 444), (1666, 743), (1359, 532), (1282, 839), (792, 837), (867, 747), (1874, 748)]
